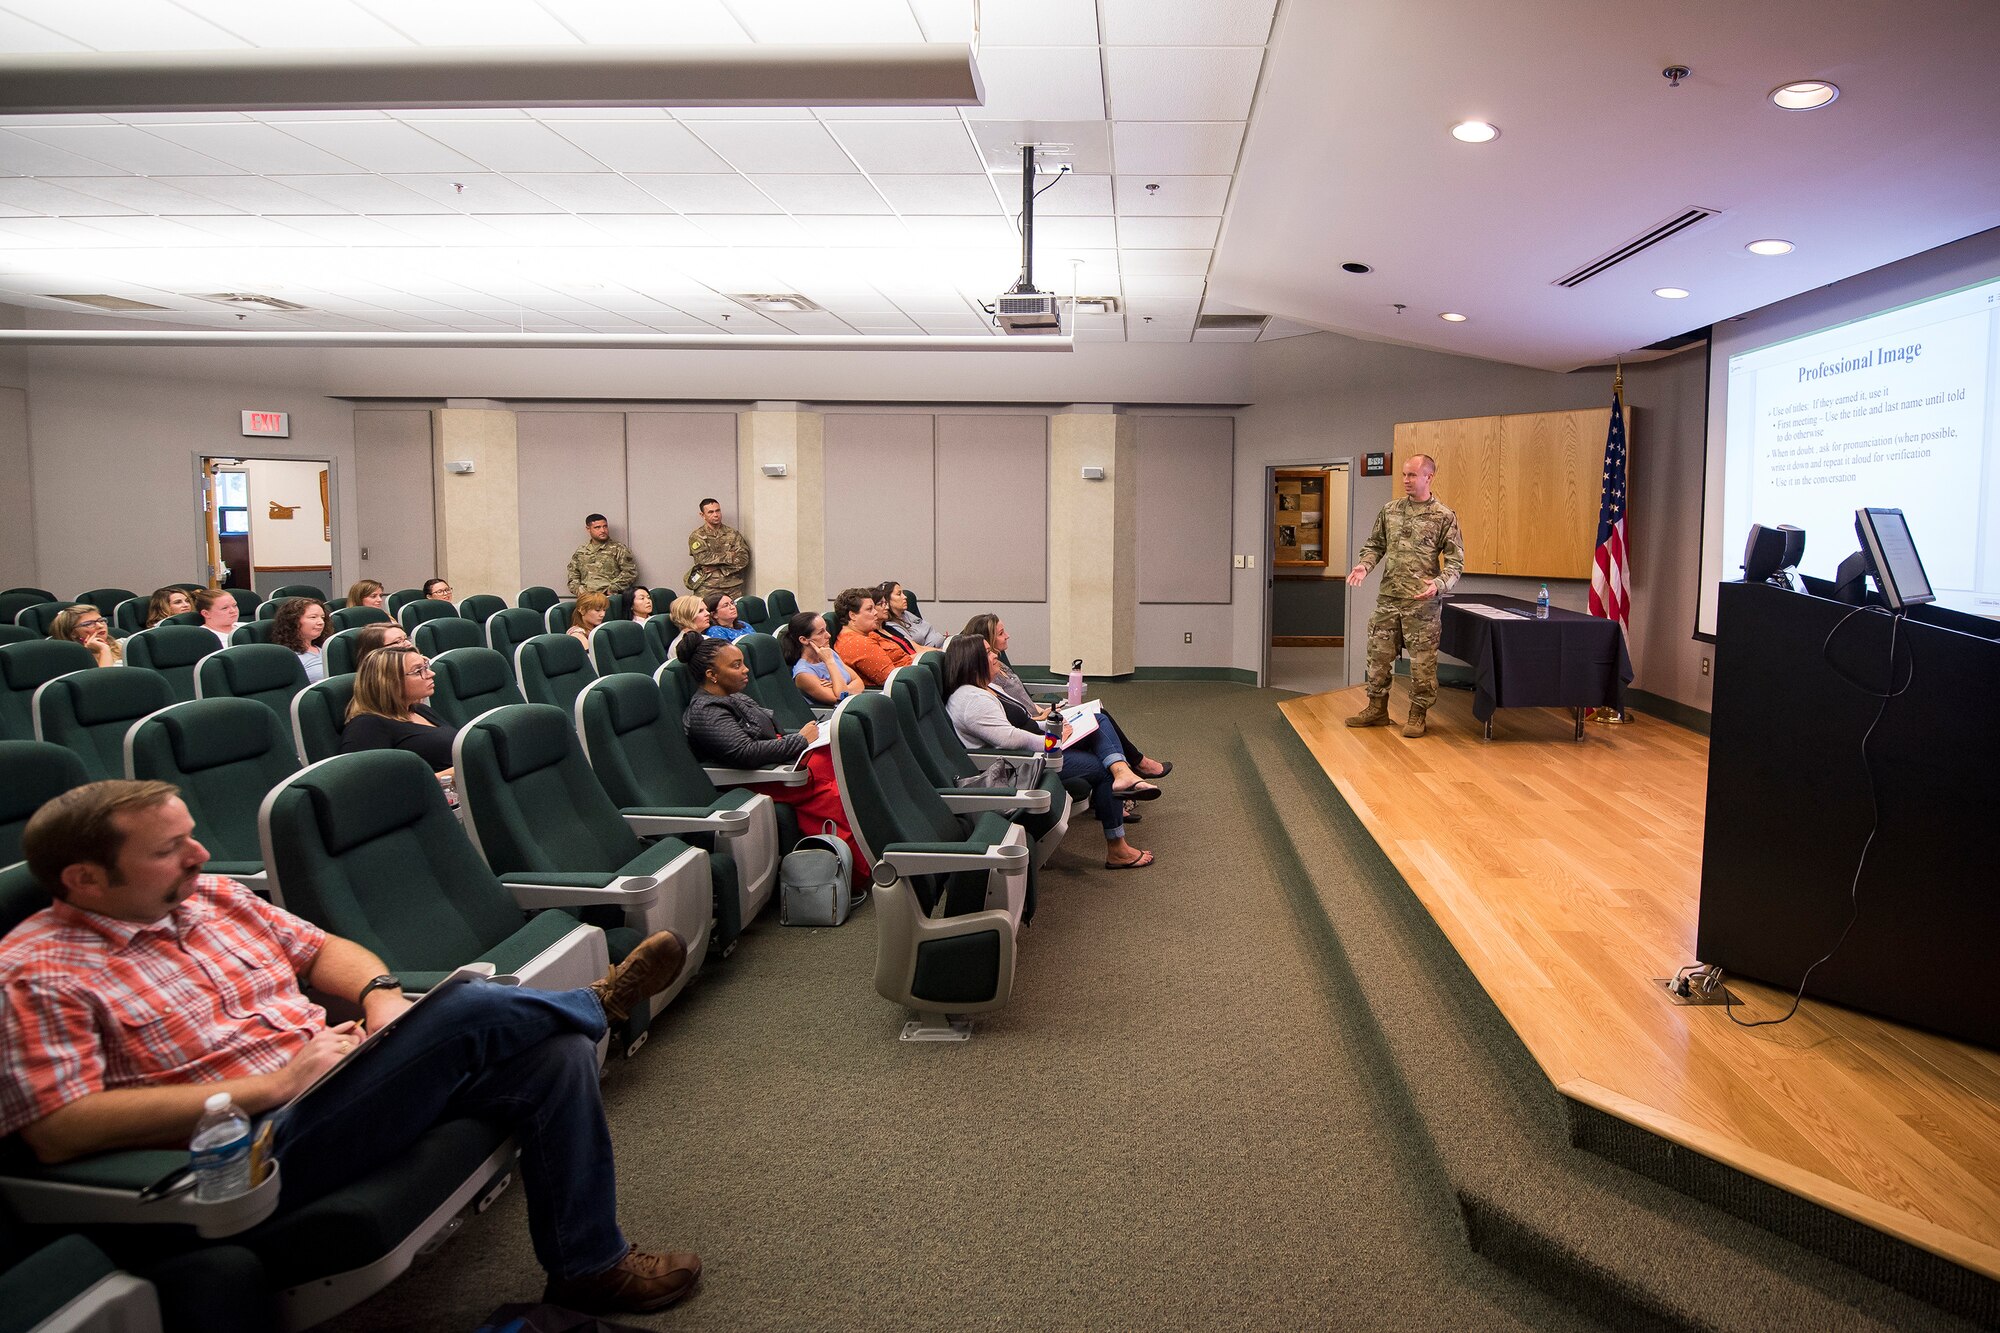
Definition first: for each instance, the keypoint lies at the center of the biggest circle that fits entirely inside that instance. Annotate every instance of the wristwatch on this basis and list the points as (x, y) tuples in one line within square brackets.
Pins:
[(383, 982)]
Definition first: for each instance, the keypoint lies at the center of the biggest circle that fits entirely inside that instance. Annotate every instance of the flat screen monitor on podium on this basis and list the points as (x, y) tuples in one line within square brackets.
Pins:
[(1892, 557)]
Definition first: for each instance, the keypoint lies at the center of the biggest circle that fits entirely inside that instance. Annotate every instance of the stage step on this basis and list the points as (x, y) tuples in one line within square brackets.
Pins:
[(1620, 1247)]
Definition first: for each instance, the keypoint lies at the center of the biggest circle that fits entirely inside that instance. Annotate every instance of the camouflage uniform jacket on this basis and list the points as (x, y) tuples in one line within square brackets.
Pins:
[(602, 566), (1415, 541), (721, 556)]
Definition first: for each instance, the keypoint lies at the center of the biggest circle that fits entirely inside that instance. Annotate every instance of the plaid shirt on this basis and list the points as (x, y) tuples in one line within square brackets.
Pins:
[(206, 993)]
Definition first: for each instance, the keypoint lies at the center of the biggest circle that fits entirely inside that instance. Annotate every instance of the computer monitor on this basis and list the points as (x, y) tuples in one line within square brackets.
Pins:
[(1892, 558)]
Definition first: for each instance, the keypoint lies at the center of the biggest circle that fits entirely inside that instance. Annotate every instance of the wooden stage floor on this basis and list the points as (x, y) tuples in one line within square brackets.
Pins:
[(1566, 874)]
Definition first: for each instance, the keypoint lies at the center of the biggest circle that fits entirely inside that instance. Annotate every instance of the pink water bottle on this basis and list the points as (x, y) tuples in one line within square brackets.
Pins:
[(1076, 682)]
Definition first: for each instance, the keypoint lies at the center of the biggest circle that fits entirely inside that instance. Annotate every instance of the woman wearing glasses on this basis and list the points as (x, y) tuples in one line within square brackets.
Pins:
[(86, 625), (390, 709)]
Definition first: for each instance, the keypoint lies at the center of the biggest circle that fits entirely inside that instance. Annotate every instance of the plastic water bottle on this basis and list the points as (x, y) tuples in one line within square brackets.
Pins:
[(1542, 603), (221, 1151), (1076, 682)]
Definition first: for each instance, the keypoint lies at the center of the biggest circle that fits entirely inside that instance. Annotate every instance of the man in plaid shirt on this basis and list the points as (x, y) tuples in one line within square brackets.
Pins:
[(146, 986)]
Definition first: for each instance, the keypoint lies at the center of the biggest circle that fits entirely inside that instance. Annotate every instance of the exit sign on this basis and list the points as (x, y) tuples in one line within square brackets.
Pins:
[(268, 423)]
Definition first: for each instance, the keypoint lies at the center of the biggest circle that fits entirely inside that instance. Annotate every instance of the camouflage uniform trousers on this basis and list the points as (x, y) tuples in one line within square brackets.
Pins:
[(1405, 622)]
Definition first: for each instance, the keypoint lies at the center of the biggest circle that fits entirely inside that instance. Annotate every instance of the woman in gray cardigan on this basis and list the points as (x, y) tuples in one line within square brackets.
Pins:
[(726, 726)]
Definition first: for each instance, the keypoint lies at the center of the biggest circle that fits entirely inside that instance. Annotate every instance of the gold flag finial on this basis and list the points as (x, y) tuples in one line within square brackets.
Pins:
[(1618, 379)]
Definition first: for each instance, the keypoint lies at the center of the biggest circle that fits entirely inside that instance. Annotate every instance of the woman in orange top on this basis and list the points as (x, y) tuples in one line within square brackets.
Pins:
[(861, 642)]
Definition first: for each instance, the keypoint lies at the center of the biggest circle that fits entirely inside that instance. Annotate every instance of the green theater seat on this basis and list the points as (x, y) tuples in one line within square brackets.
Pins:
[(25, 668), (356, 617), (225, 755), (624, 646), (89, 712), (31, 774), (509, 629), (442, 634), (470, 681), (319, 715), (553, 669), (412, 614), (263, 672), (173, 650)]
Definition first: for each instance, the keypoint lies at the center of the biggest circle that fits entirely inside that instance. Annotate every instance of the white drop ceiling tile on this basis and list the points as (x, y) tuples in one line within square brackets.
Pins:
[(365, 194), (886, 112), (1202, 335), (600, 192), (851, 232), (1040, 83), (640, 145), (753, 229), (1181, 83), (511, 145), (23, 156), (633, 22), (1187, 22), (770, 147), (1072, 196), (939, 196), (149, 230), (248, 146), (129, 149), (1177, 148), (872, 323), (480, 22), (550, 229), (1169, 233), (291, 117), (251, 194), (248, 231), (1154, 262), (554, 115), (1140, 286), (706, 193), (21, 37), (52, 232), (1178, 196), (1088, 144), (451, 230), (1108, 334), (989, 233), (481, 193), (943, 327), (1075, 233), (1163, 309), (41, 198), (324, 23), (811, 321), (706, 113), (664, 229), (805, 195), (815, 21), (125, 25), (1038, 23), (381, 145), (909, 147), (1138, 331)]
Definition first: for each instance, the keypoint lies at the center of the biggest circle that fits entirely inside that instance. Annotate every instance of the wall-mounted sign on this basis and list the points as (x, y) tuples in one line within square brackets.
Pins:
[(1374, 465), (278, 424)]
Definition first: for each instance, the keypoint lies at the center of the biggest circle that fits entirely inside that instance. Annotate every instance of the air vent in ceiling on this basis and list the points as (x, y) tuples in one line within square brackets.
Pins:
[(101, 302), (1646, 240), (250, 300), (774, 303), (1233, 322)]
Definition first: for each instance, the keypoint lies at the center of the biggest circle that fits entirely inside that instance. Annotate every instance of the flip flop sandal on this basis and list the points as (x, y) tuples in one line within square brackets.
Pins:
[(1132, 815), (1139, 793), (1144, 859), (1166, 767)]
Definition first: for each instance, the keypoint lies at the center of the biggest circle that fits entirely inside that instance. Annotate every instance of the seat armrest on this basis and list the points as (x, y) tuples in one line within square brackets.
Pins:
[(968, 800), (752, 777), (657, 821), (78, 1194), (536, 889), (943, 858), (1051, 759)]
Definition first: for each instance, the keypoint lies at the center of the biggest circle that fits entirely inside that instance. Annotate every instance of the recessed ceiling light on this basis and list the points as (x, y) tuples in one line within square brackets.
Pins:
[(1452, 317), (1671, 293), (1808, 95), (1475, 131), (1352, 267), (1770, 247)]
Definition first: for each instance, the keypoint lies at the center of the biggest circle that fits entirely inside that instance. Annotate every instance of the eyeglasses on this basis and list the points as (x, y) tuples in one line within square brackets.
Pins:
[(420, 671), (91, 624)]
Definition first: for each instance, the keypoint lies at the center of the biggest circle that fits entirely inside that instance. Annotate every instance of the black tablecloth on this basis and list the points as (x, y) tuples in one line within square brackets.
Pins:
[(1569, 660)]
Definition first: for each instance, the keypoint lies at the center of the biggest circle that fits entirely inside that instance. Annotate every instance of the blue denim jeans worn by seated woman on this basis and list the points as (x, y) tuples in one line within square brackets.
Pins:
[(1090, 760), (525, 1058)]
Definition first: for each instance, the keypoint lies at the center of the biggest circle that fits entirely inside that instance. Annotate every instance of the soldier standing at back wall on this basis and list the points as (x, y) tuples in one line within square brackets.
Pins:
[(1417, 543), (720, 552)]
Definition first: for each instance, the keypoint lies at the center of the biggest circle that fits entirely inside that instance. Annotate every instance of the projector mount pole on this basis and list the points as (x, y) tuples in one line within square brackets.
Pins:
[(1026, 282)]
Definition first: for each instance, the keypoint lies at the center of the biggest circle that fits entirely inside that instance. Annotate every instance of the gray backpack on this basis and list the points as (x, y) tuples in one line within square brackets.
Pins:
[(816, 882)]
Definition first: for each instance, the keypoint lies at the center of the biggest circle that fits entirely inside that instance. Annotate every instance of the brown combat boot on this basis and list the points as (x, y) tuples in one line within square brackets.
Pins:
[(636, 1284), (653, 965), (1415, 727), (1376, 714)]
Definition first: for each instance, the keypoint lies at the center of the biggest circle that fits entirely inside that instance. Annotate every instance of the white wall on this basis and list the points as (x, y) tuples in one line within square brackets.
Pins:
[(298, 540)]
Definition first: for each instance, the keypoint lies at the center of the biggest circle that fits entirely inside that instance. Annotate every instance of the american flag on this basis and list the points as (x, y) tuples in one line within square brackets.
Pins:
[(1611, 575)]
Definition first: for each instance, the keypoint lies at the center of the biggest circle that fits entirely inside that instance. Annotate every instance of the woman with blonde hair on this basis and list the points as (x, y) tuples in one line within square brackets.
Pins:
[(587, 615), (689, 613), (219, 611), (86, 625), (368, 593), (167, 602), (391, 709)]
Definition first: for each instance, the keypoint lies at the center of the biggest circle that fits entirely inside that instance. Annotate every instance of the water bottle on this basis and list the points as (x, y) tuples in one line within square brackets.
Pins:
[(1542, 603), (221, 1151), (1076, 682)]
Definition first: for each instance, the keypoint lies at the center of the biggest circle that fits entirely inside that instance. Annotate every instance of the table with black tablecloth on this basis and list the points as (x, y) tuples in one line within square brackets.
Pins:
[(1569, 660)]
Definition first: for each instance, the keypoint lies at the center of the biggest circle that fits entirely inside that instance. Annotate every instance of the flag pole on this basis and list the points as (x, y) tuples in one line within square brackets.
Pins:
[(1614, 716)]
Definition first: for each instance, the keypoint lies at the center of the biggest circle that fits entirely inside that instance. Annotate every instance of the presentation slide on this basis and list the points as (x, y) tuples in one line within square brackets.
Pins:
[(1901, 410)]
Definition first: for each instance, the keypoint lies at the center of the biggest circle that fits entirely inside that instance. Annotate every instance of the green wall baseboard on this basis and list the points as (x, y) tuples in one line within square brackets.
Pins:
[(1040, 675), (1668, 710)]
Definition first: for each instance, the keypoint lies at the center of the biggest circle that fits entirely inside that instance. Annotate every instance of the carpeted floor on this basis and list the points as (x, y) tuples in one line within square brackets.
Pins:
[(1173, 1126)]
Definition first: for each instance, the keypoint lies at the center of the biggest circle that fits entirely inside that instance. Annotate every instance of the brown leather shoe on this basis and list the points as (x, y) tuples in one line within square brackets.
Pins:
[(635, 1284), (650, 968)]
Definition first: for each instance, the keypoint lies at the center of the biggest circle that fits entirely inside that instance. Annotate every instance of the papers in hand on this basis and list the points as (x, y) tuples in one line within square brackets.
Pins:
[(825, 739), (1082, 721)]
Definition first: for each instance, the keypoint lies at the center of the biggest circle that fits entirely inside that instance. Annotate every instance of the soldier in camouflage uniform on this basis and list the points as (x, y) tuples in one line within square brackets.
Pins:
[(1417, 543), (600, 564), (720, 553)]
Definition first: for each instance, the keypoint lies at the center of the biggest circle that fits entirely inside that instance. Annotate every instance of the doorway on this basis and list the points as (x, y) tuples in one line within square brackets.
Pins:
[(267, 522), (1308, 550)]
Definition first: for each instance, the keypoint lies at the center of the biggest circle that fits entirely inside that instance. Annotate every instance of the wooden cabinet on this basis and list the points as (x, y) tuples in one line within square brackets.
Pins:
[(1526, 488), (1298, 518)]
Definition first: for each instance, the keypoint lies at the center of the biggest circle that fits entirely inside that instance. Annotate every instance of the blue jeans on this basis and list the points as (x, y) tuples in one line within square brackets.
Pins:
[(1090, 761), (525, 1058)]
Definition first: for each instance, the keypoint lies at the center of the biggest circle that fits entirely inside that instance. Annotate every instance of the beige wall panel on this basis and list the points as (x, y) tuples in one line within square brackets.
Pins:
[(571, 464), (673, 461), (1186, 467), (478, 513), (881, 506), (784, 518), (1093, 587), (992, 488), (395, 519), (17, 499)]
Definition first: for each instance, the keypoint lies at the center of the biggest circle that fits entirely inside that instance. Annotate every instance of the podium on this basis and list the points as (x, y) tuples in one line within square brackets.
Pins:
[(1789, 807)]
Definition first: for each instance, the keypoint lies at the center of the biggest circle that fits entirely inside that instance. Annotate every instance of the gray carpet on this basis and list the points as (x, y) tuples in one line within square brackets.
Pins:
[(1188, 1117)]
